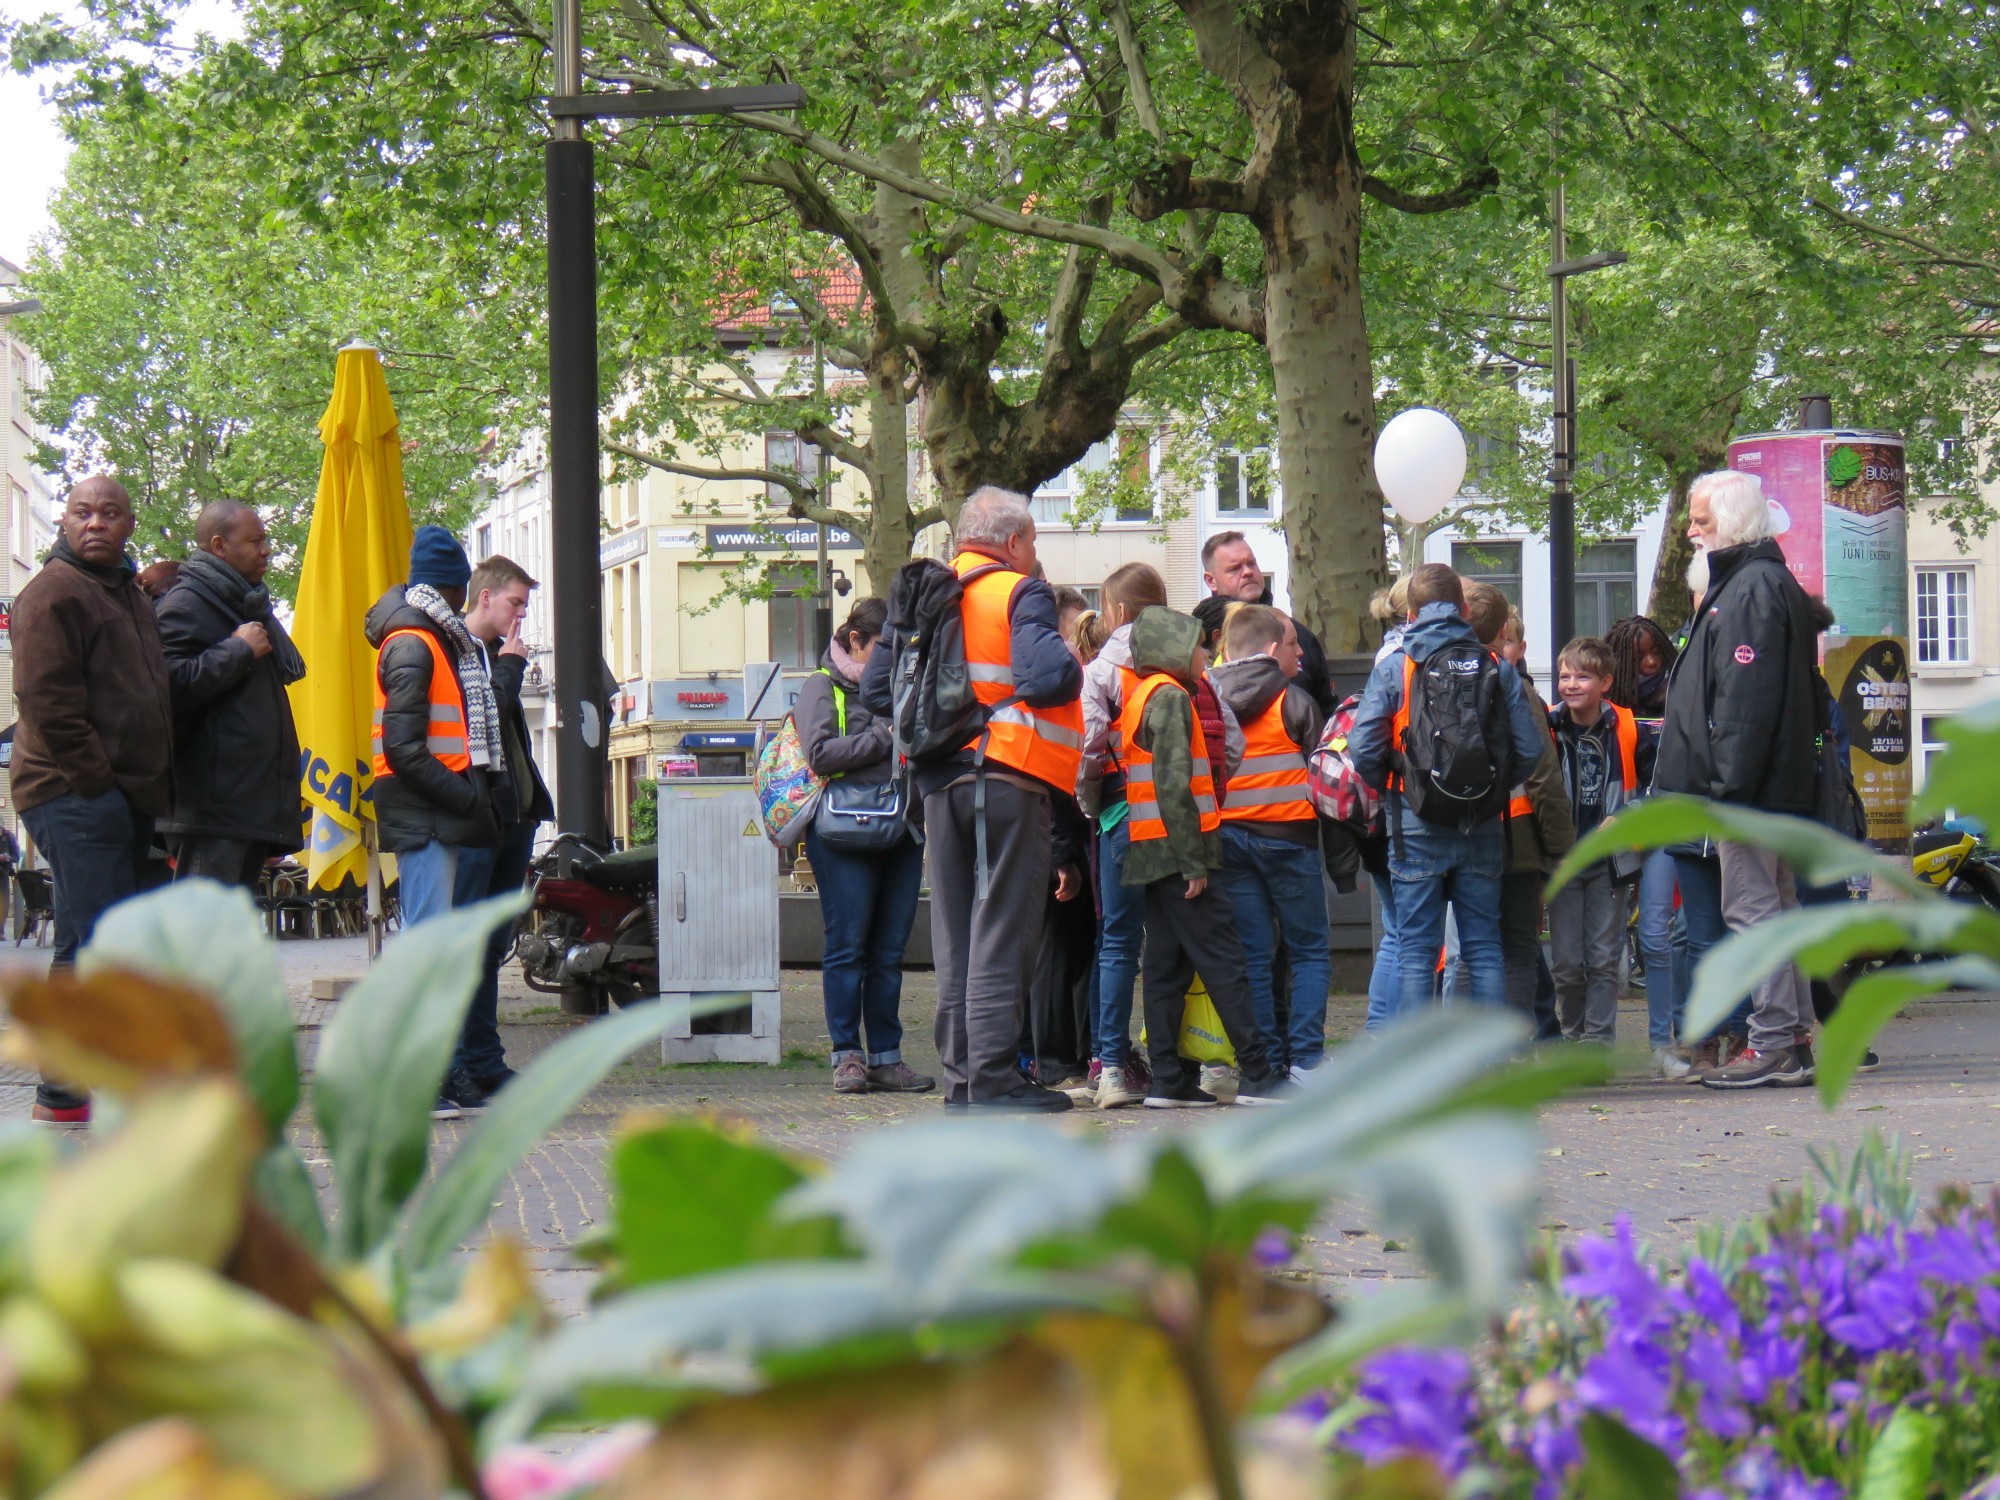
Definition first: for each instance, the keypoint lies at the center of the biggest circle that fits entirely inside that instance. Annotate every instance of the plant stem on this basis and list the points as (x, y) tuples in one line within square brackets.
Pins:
[(1218, 1432), (457, 1442)]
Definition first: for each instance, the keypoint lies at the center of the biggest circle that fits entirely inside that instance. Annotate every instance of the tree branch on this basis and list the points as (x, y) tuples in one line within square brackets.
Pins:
[(1471, 190), (800, 491)]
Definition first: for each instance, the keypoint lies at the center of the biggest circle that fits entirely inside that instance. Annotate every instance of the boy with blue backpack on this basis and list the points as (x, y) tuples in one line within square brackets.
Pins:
[(1445, 731)]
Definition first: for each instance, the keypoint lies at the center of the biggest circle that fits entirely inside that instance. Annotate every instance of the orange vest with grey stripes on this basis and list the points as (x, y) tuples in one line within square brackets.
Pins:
[(1141, 796), (1045, 743), (1270, 785), (445, 738)]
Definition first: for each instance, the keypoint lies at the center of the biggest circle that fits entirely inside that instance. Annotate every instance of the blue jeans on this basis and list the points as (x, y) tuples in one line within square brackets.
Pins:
[(432, 880), (1700, 880), (867, 903), (1433, 867), (1274, 887), (97, 849), (1385, 979), (480, 1054), (1666, 999), (1121, 934)]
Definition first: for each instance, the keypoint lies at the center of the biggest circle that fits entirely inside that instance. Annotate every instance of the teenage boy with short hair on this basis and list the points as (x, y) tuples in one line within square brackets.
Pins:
[(1175, 851), (1606, 757), (1537, 831), (1435, 863)]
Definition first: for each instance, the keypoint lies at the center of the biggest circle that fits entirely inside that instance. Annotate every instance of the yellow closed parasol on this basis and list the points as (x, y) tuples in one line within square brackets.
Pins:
[(358, 546)]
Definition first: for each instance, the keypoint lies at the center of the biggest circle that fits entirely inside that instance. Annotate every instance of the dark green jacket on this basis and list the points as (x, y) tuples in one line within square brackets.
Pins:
[(1163, 640)]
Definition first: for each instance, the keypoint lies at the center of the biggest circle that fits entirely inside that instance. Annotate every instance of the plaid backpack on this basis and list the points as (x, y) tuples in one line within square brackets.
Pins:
[(1336, 788)]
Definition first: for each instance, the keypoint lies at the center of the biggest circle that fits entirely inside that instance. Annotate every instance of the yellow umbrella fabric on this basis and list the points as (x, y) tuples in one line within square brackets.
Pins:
[(358, 546)]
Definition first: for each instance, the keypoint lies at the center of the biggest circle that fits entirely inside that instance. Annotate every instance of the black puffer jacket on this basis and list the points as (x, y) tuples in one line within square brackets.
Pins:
[(1742, 711), (861, 752), (236, 754), (420, 802), (525, 798)]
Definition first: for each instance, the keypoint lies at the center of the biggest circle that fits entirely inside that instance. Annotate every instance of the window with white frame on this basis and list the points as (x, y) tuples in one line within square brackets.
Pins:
[(1497, 563), (1944, 617), (1055, 503), (1933, 742), (1243, 485), (783, 454)]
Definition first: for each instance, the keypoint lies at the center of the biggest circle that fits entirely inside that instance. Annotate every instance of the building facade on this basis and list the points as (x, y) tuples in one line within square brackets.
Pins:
[(1954, 625), (27, 495)]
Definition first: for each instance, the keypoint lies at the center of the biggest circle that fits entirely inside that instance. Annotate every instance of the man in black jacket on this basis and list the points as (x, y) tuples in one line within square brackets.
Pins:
[(1742, 717), (236, 754), (1229, 568), (496, 602)]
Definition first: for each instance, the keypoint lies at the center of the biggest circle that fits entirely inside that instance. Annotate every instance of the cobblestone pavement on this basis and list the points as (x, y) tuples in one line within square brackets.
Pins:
[(1671, 1155)]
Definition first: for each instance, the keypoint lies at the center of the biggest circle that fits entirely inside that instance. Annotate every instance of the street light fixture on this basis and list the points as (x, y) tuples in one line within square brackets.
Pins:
[(582, 740), (1562, 501)]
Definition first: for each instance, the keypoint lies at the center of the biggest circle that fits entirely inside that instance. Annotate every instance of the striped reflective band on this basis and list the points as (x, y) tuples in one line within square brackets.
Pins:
[(1144, 774), (1263, 796), (1263, 765), (1039, 727), (1000, 672)]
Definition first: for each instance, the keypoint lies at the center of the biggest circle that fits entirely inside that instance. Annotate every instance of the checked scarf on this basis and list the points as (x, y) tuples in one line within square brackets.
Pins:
[(482, 713)]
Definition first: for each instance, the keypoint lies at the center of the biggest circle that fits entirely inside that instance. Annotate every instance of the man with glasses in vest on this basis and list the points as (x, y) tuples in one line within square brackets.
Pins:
[(1028, 680), (1270, 833), (437, 741)]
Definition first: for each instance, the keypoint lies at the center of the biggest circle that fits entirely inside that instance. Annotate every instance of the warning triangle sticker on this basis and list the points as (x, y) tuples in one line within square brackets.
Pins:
[(750, 830)]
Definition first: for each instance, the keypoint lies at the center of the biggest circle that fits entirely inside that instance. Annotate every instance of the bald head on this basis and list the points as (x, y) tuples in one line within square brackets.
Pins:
[(233, 532), (97, 520)]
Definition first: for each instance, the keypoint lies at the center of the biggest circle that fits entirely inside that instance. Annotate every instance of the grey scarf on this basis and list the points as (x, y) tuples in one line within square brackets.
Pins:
[(482, 713), (245, 603)]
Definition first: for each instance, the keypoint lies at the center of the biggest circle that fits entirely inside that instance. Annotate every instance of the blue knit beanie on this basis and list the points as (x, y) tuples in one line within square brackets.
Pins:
[(438, 560)]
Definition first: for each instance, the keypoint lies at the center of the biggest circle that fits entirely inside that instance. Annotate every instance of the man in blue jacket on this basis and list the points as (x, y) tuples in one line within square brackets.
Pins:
[(1432, 864)]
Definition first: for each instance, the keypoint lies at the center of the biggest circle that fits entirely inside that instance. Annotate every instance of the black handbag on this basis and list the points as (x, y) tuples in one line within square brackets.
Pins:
[(865, 817)]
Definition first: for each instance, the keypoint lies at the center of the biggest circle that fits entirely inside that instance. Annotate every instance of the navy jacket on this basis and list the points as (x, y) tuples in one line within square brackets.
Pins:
[(1436, 626)]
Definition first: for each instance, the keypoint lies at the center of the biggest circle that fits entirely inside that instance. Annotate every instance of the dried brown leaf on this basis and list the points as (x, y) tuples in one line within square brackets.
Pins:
[(115, 1030)]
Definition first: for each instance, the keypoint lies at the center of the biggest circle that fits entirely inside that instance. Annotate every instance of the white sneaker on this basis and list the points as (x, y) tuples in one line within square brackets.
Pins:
[(1670, 1064), (1220, 1080), (1299, 1074), (1112, 1092)]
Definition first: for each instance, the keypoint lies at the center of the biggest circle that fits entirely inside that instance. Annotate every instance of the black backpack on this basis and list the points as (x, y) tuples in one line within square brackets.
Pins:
[(935, 714), (1839, 802), (1457, 754)]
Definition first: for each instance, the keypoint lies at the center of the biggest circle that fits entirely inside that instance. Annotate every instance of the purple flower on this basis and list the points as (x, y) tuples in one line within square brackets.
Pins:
[(1760, 1475), (1710, 1372), (1611, 1270), (1271, 1249), (1556, 1452), (1421, 1404), (1632, 1379)]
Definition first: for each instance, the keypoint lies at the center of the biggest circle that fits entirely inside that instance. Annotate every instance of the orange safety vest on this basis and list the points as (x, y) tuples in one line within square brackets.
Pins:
[(1141, 797), (1045, 743), (446, 736), (1628, 747), (1270, 785)]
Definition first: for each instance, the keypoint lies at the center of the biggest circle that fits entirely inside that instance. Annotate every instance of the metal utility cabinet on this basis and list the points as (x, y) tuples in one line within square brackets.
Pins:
[(718, 919)]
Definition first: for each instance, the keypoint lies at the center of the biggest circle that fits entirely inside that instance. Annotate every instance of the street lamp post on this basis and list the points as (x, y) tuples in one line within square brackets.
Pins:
[(582, 737), (1562, 468)]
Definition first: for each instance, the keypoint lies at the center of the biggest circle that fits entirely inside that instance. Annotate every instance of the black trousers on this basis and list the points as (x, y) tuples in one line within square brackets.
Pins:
[(1521, 949), (1058, 1031), (1185, 938)]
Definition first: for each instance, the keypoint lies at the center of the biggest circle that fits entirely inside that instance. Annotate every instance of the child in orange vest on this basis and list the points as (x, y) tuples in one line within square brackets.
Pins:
[(1607, 757), (1175, 852)]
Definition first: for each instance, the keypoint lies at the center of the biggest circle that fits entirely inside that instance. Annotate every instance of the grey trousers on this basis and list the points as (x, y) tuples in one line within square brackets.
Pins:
[(1586, 931), (985, 950), (1757, 886)]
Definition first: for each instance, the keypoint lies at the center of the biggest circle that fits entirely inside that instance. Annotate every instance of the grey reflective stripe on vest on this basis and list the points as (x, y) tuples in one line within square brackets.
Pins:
[(1200, 764), (1260, 765), (1265, 796), (1041, 728), (1204, 801), (1140, 773), (444, 713), (980, 671), (442, 745)]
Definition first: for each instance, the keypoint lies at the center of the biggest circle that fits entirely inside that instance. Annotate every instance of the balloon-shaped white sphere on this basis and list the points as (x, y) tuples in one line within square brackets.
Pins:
[(1420, 463)]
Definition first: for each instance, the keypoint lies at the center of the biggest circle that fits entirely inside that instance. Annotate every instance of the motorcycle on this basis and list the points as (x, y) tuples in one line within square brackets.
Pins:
[(1957, 861), (591, 934)]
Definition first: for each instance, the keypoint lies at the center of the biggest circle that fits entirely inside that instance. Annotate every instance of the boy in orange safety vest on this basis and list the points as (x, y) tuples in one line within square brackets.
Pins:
[(1607, 756), (1175, 852)]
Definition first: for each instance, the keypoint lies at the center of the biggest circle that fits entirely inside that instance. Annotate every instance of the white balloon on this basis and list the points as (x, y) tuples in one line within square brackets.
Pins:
[(1420, 463)]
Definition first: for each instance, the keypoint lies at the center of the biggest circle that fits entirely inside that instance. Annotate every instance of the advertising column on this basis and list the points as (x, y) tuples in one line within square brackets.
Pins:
[(1847, 541)]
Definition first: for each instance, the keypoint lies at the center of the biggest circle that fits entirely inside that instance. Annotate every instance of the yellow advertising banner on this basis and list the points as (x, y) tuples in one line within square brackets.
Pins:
[(359, 545), (1870, 679)]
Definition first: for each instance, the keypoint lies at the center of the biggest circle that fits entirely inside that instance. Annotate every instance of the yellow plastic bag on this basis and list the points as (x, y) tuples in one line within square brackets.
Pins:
[(1202, 1037)]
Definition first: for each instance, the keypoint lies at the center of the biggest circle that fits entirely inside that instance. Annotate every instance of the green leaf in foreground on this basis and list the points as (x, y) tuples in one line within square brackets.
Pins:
[(1901, 1459), (1872, 999), (1818, 854), (382, 1058), (1618, 1464)]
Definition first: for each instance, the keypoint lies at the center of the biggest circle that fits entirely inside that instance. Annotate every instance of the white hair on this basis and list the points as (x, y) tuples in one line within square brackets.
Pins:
[(1736, 501), (992, 515), (1697, 573)]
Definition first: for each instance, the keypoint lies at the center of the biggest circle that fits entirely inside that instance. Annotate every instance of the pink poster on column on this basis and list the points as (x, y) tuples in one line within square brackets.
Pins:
[(1791, 468)]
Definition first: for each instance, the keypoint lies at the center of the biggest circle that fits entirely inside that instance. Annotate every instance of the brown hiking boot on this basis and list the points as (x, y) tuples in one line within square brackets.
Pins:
[(850, 1076), (899, 1078)]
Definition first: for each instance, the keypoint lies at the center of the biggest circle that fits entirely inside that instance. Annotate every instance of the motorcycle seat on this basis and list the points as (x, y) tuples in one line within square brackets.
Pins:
[(627, 871)]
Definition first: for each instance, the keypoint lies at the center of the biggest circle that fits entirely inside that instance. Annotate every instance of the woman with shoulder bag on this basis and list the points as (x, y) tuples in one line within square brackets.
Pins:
[(865, 860)]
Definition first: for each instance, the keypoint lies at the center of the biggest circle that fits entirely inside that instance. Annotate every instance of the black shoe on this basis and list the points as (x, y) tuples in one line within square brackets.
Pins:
[(953, 1101), (1869, 1062), (1029, 1099), (1808, 1069), (1184, 1095), (1267, 1088), (446, 1108), (460, 1086), (491, 1083)]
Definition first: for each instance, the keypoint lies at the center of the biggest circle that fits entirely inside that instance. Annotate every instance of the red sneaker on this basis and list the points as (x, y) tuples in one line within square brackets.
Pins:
[(42, 1114)]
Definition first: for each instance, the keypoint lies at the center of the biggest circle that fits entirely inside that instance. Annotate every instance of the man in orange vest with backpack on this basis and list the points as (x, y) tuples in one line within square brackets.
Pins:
[(1271, 870), (983, 696), (437, 743)]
